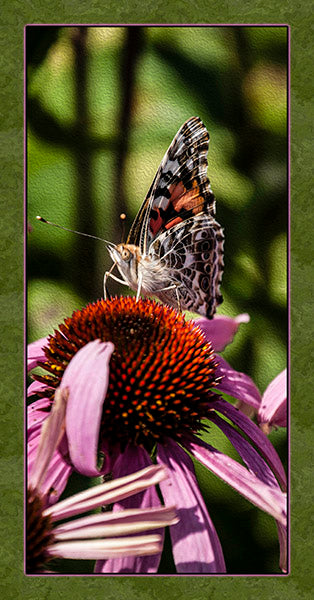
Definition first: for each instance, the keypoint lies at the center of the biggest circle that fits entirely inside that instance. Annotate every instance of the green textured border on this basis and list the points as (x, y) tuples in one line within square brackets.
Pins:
[(14, 16)]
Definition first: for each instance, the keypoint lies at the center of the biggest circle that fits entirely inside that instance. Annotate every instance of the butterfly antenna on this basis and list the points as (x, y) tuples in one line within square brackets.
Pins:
[(73, 230), (122, 222)]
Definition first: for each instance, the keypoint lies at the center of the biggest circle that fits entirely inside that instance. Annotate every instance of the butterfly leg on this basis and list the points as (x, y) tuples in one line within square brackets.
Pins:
[(139, 285), (109, 274), (106, 276), (178, 299), (175, 287)]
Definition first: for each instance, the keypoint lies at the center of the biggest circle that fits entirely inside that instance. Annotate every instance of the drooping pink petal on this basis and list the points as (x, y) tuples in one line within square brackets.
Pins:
[(59, 470), (86, 377), (265, 497), (236, 384), (109, 548), (37, 412), (273, 409), (110, 524), (115, 490), (35, 352), (257, 466), (221, 330), (261, 441), (249, 455), (70, 537), (52, 430), (195, 543), (133, 458), (282, 536), (56, 476), (56, 479)]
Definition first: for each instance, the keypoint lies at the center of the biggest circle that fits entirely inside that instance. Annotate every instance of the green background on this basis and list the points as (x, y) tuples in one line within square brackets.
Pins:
[(299, 583), (103, 104)]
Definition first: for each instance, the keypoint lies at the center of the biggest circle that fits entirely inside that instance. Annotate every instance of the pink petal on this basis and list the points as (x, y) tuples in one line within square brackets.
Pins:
[(59, 470), (195, 543), (37, 386), (260, 440), (101, 549), (52, 431), (236, 384), (257, 466), (57, 473), (87, 377), (265, 497), (221, 330), (33, 433), (106, 493), (56, 479), (282, 536), (273, 409), (133, 458), (37, 412), (249, 455), (110, 524), (35, 352)]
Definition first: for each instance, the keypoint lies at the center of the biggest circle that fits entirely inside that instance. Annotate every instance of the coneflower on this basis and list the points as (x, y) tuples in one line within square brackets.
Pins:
[(143, 385)]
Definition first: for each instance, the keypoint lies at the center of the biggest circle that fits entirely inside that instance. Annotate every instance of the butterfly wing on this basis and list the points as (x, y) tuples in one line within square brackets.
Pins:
[(192, 254), (180, 188)]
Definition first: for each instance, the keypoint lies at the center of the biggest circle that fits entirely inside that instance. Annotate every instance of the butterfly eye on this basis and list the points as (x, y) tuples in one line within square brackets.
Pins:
[(126, 254)]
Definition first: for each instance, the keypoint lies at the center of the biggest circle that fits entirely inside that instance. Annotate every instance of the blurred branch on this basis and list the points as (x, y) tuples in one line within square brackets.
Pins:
[(131, 52), (133, 45), (85, 255), (39, 40), (46, 127)]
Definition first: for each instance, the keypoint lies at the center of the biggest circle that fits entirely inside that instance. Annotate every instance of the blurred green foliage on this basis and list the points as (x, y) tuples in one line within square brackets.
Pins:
[(103, 104)]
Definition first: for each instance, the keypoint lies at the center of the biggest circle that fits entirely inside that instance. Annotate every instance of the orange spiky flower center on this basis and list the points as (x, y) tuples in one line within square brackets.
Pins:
[(162, 370)]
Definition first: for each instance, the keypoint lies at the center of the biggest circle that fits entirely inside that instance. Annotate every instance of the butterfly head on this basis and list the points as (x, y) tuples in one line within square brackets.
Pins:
[(126, 257), (123, 253)]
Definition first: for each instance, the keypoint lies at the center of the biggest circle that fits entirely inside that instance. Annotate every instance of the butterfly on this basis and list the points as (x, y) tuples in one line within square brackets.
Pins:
[(174, 249)]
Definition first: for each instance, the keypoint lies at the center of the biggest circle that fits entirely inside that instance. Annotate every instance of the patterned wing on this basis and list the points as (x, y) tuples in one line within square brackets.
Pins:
[(180, 189), (192, 256)]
